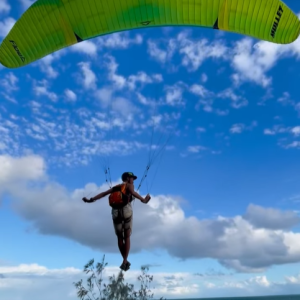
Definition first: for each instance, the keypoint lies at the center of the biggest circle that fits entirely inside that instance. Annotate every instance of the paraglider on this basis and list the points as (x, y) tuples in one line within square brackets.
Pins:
[(120, 200), (48, 26)]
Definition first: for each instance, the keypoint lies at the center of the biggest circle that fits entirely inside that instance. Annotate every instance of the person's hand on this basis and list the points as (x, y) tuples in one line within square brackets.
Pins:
[(84, 199), (147, 198)]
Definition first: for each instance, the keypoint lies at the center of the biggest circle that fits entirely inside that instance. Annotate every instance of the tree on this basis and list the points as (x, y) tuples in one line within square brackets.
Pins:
[(116, 289)]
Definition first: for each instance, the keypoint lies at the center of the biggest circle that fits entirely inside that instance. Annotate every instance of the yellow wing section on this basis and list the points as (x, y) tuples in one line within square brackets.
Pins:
[(50, 25)]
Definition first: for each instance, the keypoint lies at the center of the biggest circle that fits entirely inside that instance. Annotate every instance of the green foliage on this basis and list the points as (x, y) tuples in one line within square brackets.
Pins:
[(116, 289)]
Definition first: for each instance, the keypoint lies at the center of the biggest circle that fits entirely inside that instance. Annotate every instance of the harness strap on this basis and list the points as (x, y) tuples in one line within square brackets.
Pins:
[(120, 218)]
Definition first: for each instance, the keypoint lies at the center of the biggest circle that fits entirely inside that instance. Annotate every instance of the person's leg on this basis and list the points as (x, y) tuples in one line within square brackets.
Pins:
[(127, 245), (128, 216), (121, 244), (117, 221), (124, 246)]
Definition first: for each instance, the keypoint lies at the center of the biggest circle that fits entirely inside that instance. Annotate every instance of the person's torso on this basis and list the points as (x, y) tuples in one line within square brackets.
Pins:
[(128, 193), (126, 197)]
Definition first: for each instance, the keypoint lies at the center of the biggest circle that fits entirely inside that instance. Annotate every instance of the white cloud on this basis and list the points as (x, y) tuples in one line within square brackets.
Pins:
[(119, 40), (75, 139), (236, 101), (293, 279), (41, 89), (201, 91), (143, 78), (45, 63), (237, 128), (204, 78), (157, 77), (252, 66), (277, 129), (35, 132), (123, 107), (4, 6), (9, 82), (104, 95), (156, 120), (296, 131), (86, 47), (289, 134), (253, 63), (6, 25), (26, 3), (200, 129), (35, 107), (142, 99), (285, 99), (196, 52), (21, 169), (112, 66), (269, 132), (195, 149), (148, 100), (9, 98), (120, 82), (45, 282), (271, 218), (174, 95), (161, 55), (71, 96), (295, 144), (250, 63), (10, 136), (104, 125), (220, 112), (206, 105), (207, 99), (88, 78), (156, 53)]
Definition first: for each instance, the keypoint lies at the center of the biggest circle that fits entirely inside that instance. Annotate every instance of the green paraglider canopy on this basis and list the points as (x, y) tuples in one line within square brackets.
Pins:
[(50, 25)]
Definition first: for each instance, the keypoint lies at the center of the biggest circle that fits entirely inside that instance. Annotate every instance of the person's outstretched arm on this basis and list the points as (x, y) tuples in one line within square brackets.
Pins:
[(99, 196), (136, 195)]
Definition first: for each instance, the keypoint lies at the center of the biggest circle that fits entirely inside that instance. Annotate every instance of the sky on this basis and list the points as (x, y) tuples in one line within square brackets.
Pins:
[(218, 111)]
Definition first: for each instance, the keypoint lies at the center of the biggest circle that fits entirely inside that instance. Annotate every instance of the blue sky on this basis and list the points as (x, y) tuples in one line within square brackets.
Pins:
[(224, 215)]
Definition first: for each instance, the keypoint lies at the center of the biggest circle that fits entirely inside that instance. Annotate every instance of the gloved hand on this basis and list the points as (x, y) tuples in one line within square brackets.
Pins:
[(147, 198), (84, 199)]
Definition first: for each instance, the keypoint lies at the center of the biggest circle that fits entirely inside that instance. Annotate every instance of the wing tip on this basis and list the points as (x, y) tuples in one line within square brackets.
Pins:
[(216, 25)]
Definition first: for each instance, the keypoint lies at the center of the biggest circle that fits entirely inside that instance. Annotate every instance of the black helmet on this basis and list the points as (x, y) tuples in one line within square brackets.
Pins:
[(128, 174)]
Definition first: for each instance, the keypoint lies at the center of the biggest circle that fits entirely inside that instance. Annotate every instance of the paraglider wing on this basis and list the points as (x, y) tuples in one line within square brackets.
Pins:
[(48, 26)]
